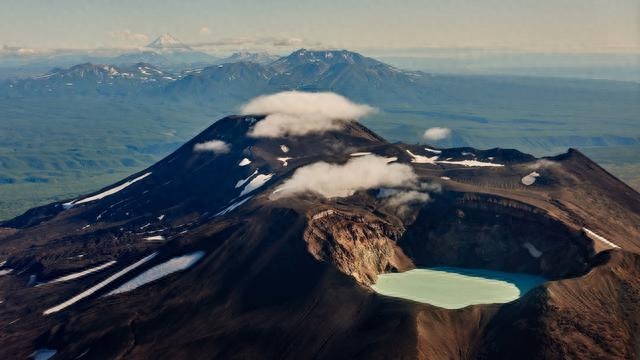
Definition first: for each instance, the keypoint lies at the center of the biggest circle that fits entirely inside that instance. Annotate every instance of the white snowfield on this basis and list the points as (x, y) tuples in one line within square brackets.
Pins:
[(419, 159), (5, 271), (256, 183), (244, 162), (155, 238), (433, 150), (284, 148), (363, 153), (593, 236), (530, 179), (470, 163), (159, 271), (244, 181), (284, 160), (533, 251), (233, 206), (105, 193), (90, 291), (80, 274)]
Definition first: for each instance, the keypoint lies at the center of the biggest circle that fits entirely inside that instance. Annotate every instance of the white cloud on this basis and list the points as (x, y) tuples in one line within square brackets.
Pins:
[(216, 146), (397, 197), (205, 30), (288, 42), (255, 43), (436, 133), (543, 164), (301, 113), (128, 35), (278, 125), (18, 51), (401, 201), (333, 180)]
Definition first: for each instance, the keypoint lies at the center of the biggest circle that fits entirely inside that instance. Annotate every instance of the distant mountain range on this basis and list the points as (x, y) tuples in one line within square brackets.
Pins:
[(263, 58), (227, 82), (239, 76), (91, 78)]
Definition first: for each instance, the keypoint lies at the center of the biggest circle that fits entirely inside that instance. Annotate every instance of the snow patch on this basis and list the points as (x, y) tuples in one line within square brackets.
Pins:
[(284, 160), (243, 181), (433, 150), (445, 178), (160, 217), (80, 274), (470, 163), (284, 148), (530, 179), (244, 162), (419, 159), (533, 251), (159, 271), (233, 206), (98, 286), (593, 236), (363, 153), (5, 271), (105, 193), (256, 183), (155, 238)]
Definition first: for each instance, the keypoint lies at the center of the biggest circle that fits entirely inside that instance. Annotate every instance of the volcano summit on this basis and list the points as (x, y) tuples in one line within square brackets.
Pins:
[(265, 235)]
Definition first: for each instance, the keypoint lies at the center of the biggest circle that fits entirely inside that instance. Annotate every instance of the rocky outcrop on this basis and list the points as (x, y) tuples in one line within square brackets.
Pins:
[(360, 245)]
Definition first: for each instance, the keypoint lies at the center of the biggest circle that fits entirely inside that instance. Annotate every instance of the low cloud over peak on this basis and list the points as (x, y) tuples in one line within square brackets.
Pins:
[(436, 133), (300, 113), (335, 180), (215, 146)]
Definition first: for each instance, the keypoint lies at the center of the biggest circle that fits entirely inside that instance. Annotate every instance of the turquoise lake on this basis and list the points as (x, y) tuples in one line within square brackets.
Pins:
[(454, 288)]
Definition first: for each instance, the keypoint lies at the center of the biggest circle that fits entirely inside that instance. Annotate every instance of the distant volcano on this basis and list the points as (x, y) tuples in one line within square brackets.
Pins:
[(168, 42)]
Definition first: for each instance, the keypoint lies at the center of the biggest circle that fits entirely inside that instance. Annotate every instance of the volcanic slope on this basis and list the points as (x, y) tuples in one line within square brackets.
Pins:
[(203, 256)]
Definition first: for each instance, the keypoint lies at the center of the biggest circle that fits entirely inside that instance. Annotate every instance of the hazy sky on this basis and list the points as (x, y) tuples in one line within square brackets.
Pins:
[(538, 25)]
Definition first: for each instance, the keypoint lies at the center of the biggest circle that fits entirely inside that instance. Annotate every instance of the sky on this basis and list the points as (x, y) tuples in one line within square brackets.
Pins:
[(582, 26)]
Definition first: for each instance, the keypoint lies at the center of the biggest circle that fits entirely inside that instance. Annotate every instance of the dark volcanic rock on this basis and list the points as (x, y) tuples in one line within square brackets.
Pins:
[(290, 278)]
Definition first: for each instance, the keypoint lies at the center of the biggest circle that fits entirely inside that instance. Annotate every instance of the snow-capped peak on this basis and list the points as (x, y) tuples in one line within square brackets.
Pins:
[(167, 41)]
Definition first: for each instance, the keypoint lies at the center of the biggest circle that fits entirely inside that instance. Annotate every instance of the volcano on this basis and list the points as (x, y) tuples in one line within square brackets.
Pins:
[(238, 246)]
